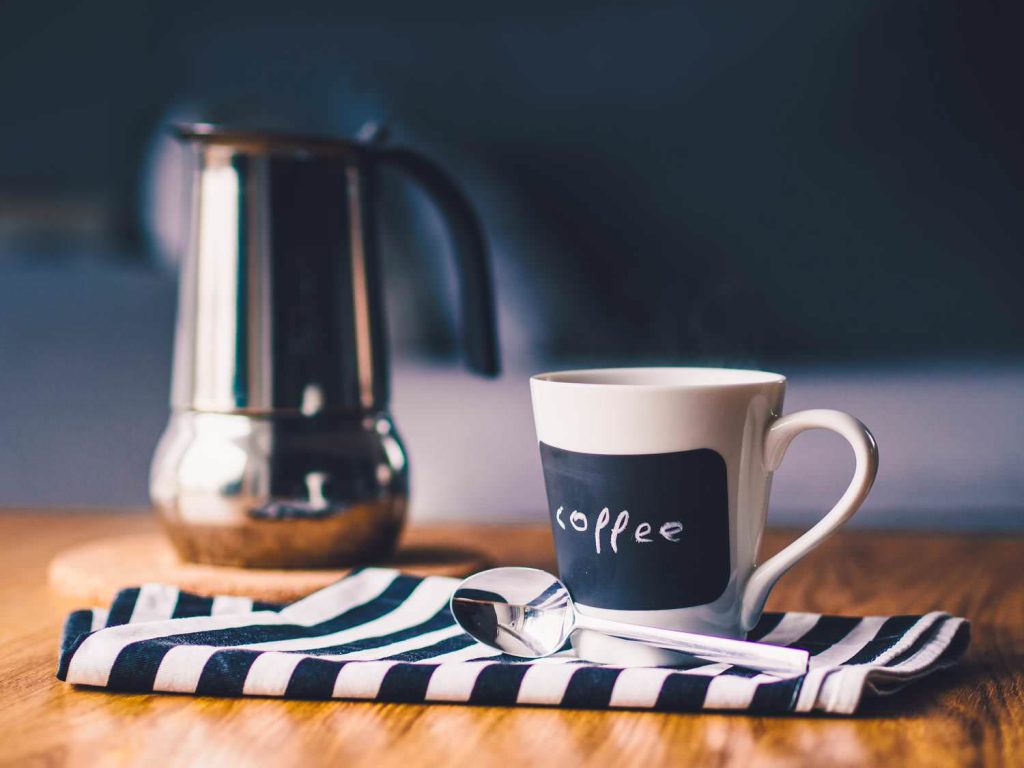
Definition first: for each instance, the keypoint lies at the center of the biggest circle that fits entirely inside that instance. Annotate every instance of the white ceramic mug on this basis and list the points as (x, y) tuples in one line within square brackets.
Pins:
[(658, 482)]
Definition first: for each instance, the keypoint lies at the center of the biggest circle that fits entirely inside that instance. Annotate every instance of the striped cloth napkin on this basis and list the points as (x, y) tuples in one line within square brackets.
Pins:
[(383, 635)]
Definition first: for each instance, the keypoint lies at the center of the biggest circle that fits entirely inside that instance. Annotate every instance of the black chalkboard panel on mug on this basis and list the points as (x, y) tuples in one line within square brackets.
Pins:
[(639, 532)]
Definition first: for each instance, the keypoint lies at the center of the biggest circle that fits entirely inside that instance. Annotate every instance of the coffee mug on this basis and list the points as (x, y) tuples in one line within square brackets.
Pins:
[(657, 484)]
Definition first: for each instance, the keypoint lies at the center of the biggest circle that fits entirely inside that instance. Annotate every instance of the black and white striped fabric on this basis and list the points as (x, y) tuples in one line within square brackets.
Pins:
[(382, 635)]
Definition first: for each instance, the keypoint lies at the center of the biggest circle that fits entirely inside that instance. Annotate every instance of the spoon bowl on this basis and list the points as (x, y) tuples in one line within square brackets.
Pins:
[(520, 611)]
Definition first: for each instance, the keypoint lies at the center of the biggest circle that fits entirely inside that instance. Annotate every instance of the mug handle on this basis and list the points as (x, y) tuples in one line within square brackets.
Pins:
[(777, 439)]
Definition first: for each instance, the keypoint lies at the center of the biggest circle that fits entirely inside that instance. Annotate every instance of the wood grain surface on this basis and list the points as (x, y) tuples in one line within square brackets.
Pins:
[(972, 715)]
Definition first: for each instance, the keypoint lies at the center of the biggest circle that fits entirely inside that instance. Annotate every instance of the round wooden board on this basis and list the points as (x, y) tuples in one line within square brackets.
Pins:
[(93, 572)]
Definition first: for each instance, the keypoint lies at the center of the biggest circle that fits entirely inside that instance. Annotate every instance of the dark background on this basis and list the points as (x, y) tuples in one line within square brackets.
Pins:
[(831, 186)]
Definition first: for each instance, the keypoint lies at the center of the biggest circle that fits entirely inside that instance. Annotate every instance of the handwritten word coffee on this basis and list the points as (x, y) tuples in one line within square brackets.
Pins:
[(642, 534)]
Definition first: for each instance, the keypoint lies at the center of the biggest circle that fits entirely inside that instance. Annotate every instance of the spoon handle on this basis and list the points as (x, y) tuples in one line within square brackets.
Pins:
[(767, 658)]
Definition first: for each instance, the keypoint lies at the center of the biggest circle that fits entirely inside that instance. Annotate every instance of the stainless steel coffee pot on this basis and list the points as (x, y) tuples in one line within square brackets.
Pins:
[(280, 451)]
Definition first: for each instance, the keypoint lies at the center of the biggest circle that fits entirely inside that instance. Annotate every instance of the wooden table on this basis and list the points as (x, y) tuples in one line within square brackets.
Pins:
[(971, 715)]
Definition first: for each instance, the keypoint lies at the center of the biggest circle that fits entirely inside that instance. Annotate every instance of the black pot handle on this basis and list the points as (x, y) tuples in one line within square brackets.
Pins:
[(476, 295)]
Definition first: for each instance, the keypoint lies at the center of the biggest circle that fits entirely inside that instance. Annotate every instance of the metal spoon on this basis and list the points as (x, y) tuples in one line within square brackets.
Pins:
[(528, 612)]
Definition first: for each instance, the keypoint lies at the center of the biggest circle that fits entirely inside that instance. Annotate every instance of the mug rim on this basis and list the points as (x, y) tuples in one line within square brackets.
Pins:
[(660, 378)]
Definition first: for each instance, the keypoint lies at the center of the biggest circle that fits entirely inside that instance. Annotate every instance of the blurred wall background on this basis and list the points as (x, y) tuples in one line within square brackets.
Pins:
[(829, 189)]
